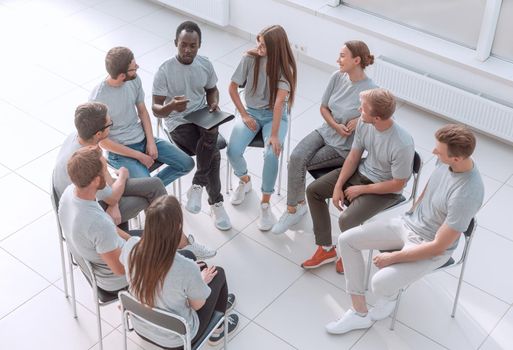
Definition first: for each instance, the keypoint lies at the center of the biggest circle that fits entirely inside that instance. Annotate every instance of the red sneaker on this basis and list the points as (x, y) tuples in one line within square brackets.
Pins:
[(320, 258), (339, 267)]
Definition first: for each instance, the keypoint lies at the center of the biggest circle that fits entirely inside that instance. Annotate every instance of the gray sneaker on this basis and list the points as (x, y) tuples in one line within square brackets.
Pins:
[(217, 337), (221, 219), (265, 219), (288, 219), (202, 252), (194, 199)]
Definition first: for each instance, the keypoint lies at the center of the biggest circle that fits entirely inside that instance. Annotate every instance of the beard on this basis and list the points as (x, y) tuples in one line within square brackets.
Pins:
[(127, 78)]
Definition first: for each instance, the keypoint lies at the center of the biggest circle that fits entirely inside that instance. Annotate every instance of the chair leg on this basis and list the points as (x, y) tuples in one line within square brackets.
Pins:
[(280, 164), (174, 189), (124, 321), (460, 282), (225, 332), (72, 285), (394, 314), (63, 266), (369, 266), (180, 190), (98, 320), (228, 178)]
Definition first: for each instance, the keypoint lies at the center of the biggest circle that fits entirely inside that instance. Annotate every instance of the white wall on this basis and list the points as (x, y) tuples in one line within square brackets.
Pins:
[(323, 38)]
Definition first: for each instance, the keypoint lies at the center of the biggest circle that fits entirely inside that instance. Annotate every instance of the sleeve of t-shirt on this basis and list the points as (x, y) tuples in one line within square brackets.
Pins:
[(160, 83), (358, 136), (104, 235), (283, 83), (240, 75), (461, 208), (212, 76), (140, 91), (106, 192), (196, 288), (125, 251), (402, 162), (329, 90)]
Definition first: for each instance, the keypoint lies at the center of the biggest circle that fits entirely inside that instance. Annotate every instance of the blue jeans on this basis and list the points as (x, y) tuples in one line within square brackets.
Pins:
[(242, 136), (178, 162)]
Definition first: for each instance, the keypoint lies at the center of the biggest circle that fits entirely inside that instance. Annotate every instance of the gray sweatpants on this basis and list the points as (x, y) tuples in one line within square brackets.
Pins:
[(385, 235), (359, 210), (309, 154), (138, 195)]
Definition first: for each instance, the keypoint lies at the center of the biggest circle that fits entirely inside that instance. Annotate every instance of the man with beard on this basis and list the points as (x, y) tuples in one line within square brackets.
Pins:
[(88, 229), (131, 143)]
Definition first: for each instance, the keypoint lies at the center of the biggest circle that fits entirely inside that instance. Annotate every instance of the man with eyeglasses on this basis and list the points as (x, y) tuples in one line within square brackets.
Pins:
[(121, 198), (131, 143)]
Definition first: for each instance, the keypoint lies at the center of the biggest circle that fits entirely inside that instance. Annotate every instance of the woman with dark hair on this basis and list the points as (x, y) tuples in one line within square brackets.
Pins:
[(328, 145), (159, 277), (269, 75)]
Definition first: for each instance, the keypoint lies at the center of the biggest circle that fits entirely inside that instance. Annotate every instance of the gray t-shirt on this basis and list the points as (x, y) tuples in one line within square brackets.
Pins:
[(91, 232), (182, 282), (450, 198), (244, 74), (175, 79), (122, 101), (342, 97), (60, 175), (390, 152)]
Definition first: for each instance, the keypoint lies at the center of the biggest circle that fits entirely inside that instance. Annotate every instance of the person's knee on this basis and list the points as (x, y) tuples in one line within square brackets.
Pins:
[(382, 286), (312, 191), (347, 221), (188, 254), (296, 159), (188, 164), (221, 275)]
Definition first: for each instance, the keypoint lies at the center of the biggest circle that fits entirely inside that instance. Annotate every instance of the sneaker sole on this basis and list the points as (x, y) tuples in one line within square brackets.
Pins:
[(204, 257), (221, 340), (324, 262)]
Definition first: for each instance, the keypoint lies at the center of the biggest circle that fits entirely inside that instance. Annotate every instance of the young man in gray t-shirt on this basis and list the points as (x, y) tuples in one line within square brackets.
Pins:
[(122, 198), (131, 143), (424, 238), (89, 231), (367, 185), (183, 84)]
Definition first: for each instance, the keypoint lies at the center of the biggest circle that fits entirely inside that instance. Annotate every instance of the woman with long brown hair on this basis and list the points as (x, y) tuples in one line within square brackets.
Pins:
[(269, 75), (159, 277)]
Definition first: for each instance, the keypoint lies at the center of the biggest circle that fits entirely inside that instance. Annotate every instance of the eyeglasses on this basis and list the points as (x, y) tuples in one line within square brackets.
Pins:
[(133, 69), (105, 127)]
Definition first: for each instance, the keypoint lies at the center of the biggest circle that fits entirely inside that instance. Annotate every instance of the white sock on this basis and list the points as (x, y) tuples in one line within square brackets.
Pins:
[(327, 248)]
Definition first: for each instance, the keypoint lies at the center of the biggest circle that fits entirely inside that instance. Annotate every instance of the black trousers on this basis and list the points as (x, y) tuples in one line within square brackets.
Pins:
[(195, 140)]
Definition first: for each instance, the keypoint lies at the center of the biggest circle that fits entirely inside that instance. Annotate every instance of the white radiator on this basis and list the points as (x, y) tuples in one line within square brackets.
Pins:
[(448, 101), (214, 11)]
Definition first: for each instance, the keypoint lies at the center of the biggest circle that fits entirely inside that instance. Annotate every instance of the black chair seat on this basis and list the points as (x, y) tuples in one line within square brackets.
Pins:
[(258, 140), (317, 173), (106, 296), (155, 166), (448, 263)]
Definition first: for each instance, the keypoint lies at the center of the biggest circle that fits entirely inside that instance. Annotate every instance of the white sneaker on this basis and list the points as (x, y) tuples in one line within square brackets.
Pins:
[(288, 219), (194, 199), (202, 252), (382, 309), (240, 192), (221, 219), (265, 219), (349, 322)]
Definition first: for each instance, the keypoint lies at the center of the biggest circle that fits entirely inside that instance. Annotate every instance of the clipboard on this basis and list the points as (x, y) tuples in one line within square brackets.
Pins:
[(208, 120)]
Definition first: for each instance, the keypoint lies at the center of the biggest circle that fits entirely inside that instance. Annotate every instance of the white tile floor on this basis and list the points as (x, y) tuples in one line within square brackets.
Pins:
[(52, 54)]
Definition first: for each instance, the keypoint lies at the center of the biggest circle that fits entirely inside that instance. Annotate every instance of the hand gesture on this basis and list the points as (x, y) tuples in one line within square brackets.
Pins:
[(151, 149), (213, 107), (250, 122), (351, 125), (338, 197), (114, 213), (354, 191), (122, 173), (208, 274), (179, 103), (274, 142), (384, 259), (146, 160), (342, 130)]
